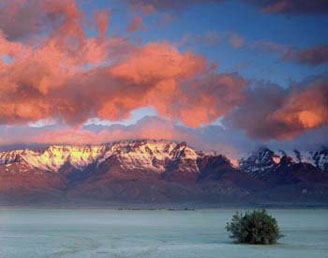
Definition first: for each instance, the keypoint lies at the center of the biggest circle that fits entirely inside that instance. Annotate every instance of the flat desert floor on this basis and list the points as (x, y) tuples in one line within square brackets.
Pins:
[(83, 233)]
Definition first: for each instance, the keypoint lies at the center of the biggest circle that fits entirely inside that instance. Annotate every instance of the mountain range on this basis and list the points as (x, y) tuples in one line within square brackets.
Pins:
[(160, 171)]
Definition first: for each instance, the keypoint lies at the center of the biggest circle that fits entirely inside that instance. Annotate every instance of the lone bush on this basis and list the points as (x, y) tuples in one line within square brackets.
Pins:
[(256, 227)]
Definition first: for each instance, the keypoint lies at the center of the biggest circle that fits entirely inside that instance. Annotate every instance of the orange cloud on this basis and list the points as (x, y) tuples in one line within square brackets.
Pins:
[(304, 110), (63, 74), (72, 77), (68, 76), (270, 112)]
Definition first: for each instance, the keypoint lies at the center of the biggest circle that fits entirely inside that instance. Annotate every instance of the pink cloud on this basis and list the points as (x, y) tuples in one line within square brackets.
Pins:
[(102, 20), (69, 77), (135, 24)]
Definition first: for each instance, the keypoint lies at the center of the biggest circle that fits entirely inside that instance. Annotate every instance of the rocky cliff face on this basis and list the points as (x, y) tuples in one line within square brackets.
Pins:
[(150, 170)]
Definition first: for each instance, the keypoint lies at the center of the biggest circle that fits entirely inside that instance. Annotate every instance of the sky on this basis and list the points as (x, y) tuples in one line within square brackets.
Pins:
[(228, 76)]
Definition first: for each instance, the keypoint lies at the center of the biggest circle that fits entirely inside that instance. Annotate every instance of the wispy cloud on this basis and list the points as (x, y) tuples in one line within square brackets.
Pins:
[(316, 55), (135, 24), (213, 38), (295, 7)]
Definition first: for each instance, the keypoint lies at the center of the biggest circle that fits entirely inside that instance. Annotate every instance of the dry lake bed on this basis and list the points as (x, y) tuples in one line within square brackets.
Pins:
[(83, 233)]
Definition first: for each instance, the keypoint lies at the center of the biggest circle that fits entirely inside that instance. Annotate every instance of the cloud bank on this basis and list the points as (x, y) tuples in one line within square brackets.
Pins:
[(52, 69), (69, 76)]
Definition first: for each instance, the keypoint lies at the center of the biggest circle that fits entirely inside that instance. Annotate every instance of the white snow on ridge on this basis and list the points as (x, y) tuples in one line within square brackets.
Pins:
[(154, 155), (138, 154), (264, 159)]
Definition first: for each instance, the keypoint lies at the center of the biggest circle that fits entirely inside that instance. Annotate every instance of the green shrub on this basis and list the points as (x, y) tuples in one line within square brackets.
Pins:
[(256, 227)]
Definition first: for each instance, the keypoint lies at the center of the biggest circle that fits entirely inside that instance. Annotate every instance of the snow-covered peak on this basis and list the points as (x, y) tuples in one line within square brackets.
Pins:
[(320, 158), (133, 154), (265, 159), (54, 157), (153, 155), (9, 157), (260, 160)]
